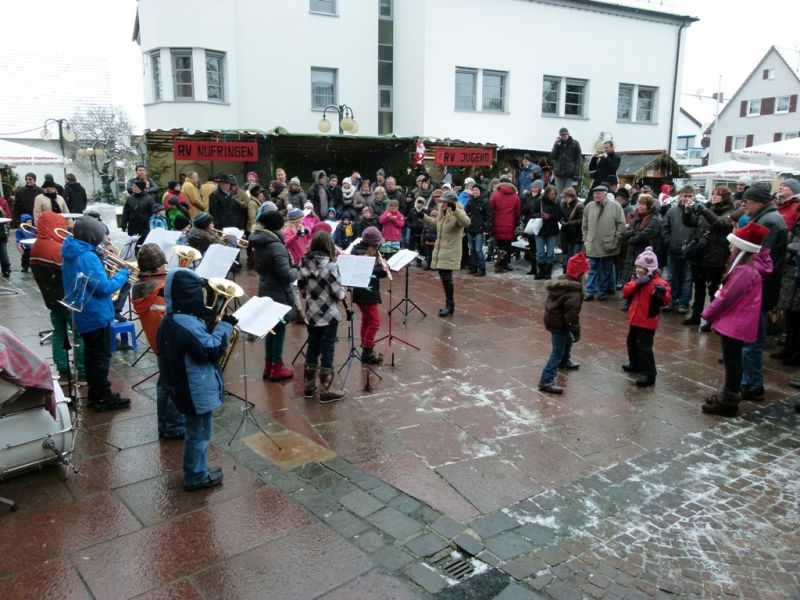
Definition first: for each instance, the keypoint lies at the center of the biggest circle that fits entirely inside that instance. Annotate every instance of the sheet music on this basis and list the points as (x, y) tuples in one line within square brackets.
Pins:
[(217, 261), (355, 271), (349, 249), (164, 239), (401, 258), (258, 316), (234, 231)]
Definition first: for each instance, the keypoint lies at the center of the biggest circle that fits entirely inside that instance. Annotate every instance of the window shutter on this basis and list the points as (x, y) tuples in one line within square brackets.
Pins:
[(777, 137), (728, 143), (743, 108), (793, 103), (749, 141), (767, 106)]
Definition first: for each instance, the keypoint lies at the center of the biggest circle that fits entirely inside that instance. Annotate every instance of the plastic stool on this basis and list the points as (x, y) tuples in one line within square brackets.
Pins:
[(122, 329)]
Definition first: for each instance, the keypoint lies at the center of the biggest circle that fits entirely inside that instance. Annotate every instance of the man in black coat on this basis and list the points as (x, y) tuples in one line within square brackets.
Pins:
[(24, 198), (137, 211), (222, 204), (480, 222), (567, 161), (151, 187), (604, 164), (74, 195)]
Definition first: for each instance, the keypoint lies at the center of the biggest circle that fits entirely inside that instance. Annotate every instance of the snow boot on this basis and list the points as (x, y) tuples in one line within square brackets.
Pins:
[(328, 391), (309, 381)]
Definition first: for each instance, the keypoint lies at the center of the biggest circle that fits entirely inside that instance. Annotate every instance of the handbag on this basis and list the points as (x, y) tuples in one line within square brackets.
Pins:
[(695, 247)]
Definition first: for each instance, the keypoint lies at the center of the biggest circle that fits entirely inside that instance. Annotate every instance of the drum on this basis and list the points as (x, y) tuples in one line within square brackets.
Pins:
[(24, 433)]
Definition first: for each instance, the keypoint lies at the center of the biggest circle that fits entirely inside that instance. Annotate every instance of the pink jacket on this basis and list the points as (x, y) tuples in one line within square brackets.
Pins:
[(735, 311), (392, 225), (296, 244)]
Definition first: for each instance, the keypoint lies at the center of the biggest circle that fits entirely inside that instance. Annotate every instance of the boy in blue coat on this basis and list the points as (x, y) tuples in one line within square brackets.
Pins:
[(24, 249), (189, 355)]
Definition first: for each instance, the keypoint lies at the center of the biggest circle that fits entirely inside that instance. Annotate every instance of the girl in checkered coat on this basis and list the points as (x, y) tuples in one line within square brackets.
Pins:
[(320, 284)]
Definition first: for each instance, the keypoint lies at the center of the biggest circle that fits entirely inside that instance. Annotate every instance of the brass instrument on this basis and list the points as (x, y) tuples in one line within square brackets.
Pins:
[(28, 228), (186, 255), (224, 291), (63, 235), (110, 257), (223, 237)]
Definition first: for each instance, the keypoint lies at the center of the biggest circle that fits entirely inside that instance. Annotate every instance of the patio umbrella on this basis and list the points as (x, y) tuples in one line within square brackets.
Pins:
[(732, 169), (13, 155), (784, 154)]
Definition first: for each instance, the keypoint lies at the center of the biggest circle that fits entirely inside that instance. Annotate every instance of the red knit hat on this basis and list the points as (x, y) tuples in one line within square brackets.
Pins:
[(749, 238), (577, 265), (321, 226)]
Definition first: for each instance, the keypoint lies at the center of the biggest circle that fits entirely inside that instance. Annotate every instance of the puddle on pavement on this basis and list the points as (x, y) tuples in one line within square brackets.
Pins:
[(295, 449)]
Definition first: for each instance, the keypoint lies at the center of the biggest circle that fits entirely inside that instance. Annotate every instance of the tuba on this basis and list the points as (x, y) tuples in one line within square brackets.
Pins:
[(186, 255), (224, 291)]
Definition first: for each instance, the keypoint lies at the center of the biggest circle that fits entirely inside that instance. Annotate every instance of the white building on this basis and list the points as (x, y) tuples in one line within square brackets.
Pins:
[(511, 72), (763, 109), (697, 113)]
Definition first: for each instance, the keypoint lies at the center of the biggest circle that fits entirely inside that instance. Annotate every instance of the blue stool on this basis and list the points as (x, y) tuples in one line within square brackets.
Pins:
[(122, 329)]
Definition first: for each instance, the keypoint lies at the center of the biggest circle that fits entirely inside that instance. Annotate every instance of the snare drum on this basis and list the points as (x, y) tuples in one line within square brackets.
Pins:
[(24, 432)]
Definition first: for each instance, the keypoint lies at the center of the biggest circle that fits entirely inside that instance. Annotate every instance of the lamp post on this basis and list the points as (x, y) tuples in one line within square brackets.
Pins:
[(94, 153), (65, 132), (347, 121)]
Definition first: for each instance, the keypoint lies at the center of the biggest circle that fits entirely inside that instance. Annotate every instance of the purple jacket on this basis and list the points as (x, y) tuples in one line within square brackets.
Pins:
[(735, 311)]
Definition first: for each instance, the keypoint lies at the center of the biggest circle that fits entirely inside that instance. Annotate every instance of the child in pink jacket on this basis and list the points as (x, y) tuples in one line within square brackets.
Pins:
[(735, 312), (392, 222)]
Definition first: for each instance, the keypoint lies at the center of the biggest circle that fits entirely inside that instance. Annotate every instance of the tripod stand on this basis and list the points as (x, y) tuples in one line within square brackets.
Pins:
[(391, 336), (405, 301), (354, 354)]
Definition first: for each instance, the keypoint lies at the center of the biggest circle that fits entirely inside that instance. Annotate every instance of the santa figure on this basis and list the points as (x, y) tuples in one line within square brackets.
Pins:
[(419, 154)]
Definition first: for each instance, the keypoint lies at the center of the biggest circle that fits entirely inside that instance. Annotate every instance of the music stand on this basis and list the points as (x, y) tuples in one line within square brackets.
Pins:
[(354, 353), (403, 259), (390, 335)]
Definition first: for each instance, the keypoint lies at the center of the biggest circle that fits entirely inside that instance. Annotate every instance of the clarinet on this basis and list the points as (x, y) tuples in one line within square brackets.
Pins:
[(385, 266)]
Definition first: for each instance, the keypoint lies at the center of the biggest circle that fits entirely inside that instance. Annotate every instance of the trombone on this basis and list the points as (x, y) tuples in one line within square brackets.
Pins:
[(29, 229), (223, 237), (111, 261)]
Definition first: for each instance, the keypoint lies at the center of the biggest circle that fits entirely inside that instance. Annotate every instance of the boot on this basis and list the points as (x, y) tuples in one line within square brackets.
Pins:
[(501, 261), (370, 357), (267, 369), (449, 309), (280, 372), (301, 314), (309, 381), (473, 269), (723, 403), (328, 391), (548, 271), (551, 388), (110, 401), (481, 273), (540, 272)]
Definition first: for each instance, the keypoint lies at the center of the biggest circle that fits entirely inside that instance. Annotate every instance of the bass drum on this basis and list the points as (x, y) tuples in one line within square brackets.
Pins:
[(24, 434)]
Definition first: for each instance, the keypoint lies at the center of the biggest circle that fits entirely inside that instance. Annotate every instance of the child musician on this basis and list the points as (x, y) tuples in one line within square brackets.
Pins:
[(367, 299)]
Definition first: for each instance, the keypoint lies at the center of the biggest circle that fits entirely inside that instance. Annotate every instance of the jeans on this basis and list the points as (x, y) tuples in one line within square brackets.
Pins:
[(119, 303), (570, 250), (273, 344), (170, 421), (97, 360), (370, 324), (704, 278), (562, 346), (447, 283), (680, 281), (62, 325), (640, 350), (732, 360), (753, 358), (545, 249), (5, 263), (601, 272), (321, 340), (562, 183), (476, 257), (195, 447), (405, 239)]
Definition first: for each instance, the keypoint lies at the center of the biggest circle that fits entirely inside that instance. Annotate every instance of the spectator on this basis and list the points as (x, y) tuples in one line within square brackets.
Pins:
[(602, 227), (505, 209), (567, 160), (674, 234), (74, 195)]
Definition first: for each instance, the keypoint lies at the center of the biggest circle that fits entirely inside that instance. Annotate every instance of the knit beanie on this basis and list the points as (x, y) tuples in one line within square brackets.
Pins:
[(294, 215), (202, 220), (577, 266), (272, 220), (321, 226), (372, 236), (89, 230), (647, 260), (294, 180), (759, 192), (150, 257), (538, 184), (181, 222), (793, 185)]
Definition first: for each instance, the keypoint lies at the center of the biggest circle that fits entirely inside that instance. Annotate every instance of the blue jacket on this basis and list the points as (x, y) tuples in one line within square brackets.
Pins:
[(527, 177), (21, 234), (81, 259), (187, 353)]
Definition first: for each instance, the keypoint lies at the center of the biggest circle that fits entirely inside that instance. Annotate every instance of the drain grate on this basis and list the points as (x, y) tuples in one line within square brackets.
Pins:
[(457, 568)]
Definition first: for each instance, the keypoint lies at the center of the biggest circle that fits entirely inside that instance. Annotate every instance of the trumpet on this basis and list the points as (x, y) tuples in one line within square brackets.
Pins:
[(223, 237), (224, 291), (186, 255), (28, 228), (110, 257)]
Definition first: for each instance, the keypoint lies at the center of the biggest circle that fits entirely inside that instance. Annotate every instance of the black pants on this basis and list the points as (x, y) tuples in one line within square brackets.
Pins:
[(97, 360), (732, 360), (792, 346), (447, 283), (640, 350), (704, 279)]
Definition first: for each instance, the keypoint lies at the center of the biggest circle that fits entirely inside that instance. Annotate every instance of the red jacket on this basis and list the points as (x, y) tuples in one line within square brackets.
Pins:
[(788, 209), (506, 209), (644, 307)]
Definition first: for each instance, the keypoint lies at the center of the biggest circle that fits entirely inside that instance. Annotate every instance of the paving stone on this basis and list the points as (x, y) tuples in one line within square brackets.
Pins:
[(448, 527), (508, 545), (333, 485), (427, 544), (562, 591), (489, 558), (523, 567), (539, 535), (384, 492), (426, 577), (468, 544), (516, 592), (345, 524), (370, 541), (493, 524), (361, 503), (405, 504), (317, 503), (428, 514), (541, 581), (393, 558), (395, 523), (552, 556)]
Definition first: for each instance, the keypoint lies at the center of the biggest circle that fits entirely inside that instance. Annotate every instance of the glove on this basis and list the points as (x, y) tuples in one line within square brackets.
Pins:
[(699, 208), (660, 289), (230, 319), (644, 279), (545, 216), (576, 336)]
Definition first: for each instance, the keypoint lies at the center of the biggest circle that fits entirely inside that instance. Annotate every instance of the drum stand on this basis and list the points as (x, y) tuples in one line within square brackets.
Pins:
[(354, 353), (391, 336), (405, 301)]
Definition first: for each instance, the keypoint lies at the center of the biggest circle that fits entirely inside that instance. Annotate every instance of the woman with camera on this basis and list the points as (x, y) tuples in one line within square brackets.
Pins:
[(603, 164)]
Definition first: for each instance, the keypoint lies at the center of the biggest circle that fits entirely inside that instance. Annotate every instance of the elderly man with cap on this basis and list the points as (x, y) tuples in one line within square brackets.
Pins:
[(222, 206), (567, 161), (25, 197), (788, 201), (49, 201), (757, 201), (742, 184), (602, 228)]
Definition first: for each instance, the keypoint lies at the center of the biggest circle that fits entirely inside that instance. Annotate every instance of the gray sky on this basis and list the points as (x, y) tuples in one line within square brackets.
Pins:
[(729, 40)]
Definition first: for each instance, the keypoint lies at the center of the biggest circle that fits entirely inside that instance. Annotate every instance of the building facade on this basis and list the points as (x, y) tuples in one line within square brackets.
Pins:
[(510, 72)]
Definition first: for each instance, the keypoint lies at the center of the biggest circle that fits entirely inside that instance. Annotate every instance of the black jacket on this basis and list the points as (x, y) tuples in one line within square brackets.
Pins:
[(567, 158), (75, 197), (540, 206), (600, 168), (713, 221), (224, 209), (318, 195), (136, 215), (335, 198), (153, 189), (371, 295), (480, 219), (273, 264), (23, 202)]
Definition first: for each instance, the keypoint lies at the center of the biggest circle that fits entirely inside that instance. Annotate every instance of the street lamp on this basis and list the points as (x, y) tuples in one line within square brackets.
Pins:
[(65, 132), (346, 119), (94, 153)]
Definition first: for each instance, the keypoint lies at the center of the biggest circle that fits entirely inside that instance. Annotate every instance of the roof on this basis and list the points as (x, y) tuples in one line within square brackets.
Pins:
[(634, 8), (791, 56), (637, 163), (700, 108)]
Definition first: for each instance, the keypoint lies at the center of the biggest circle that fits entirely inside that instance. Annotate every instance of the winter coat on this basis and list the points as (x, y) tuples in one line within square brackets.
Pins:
[(788, 209), (789, 297), (646, 301), (152, 188), (602, 167), (319, 281), (572, 219), (188, 354), (297, 198), (364, 223), (776, 241), (379, 206), (46, 260), (734, 312), (297, 243), (552, 210), (449, 231), (224, 209), (335, 198), (23, 234), (415, 221), (274, 266), (242, 199), (526, 177), (318, 196), (714, 222), (23, 201), (674, 233), (340, 237), (43, 204), (505, 210), (480, 219), (567, 158), (136, 214), (360, 201), (201, 239), (372, 294), (75, 197), (392, 225), (147, 297), (98, 310), (206, 189), (562, 309), (602, 227), (158, 222), (193, 198), (638, 237)]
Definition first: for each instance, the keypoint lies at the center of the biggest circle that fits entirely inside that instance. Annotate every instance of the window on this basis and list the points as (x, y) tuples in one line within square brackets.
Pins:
[(155, 64), (645, 103), (494, 91), (466, 88), (782, 104), (574, 97), (182, 74), (768, 74), (323, 87), (739, 141), (789, 135), (385, 9), (685, 142), (625, 102), (384, 98), (551, 89), (214, 76), (753, 108), (327, 7)]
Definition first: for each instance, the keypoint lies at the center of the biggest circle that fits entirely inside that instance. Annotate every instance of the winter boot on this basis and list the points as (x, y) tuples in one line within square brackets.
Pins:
[(722, 403), (370, 357), (280, 372), (548, 271), (328, 391), (110, 401), (309, 381), (501, 261), (267, 369), (540, 272), (473, 269), (449, 309)]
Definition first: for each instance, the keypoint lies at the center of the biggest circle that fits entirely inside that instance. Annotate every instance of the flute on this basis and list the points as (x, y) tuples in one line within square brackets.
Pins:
[(385, 266)]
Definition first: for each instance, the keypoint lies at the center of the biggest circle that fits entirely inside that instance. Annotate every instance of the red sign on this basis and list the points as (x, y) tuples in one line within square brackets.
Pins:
[(191, 150), (463, 157)]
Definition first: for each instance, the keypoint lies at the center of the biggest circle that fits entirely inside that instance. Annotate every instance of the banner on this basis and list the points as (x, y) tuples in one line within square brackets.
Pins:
[(463, 157), (193, 150)]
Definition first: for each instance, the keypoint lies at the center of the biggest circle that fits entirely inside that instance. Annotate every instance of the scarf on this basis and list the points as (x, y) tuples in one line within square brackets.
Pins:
[(348, 230)]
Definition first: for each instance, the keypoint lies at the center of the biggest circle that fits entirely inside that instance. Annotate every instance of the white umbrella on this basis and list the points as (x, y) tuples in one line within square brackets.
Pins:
[(13, 155), (781, 154), (733, 169)]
